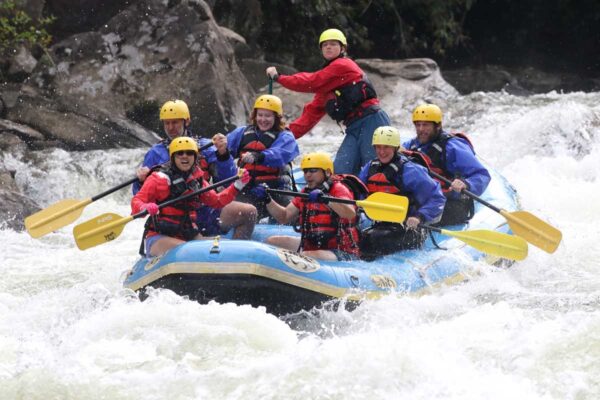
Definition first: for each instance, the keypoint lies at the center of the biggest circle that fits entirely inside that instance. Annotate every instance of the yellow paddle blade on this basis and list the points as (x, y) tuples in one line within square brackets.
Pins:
[(101, 229), (534, 230), (492, 242), (381, 206), (55, 217)]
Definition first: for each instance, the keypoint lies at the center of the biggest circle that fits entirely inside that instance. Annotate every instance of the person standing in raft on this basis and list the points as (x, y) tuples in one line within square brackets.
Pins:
[(214, 162), (342, 91), (265, 148), (451, 155), (176, 223), (392, 172), (328, 230)]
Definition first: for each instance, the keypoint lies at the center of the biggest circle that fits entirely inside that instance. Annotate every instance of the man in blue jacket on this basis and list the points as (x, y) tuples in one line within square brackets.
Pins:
[(452, 156), (392, 172), (214, 161)]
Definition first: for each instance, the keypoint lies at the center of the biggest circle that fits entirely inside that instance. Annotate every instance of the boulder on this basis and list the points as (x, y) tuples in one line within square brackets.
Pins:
[(75, 126), (14, 206), (151, 52)]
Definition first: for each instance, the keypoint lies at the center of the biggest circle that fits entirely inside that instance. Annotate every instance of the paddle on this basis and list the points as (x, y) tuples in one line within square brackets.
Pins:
[(522, 223), (489, 242), (270, 85), (379, 206), (109, 226), (68, 211)]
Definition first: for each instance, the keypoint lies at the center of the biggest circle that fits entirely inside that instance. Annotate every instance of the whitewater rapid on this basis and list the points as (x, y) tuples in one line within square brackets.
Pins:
[(68, 330)]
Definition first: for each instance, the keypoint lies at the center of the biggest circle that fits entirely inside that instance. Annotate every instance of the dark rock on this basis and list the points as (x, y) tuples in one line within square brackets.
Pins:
[(14, 206), (21, 64), (154, 52), (78, 127)]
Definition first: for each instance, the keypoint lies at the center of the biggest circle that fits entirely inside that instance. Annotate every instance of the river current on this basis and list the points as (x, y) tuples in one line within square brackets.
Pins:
[(68, 330)]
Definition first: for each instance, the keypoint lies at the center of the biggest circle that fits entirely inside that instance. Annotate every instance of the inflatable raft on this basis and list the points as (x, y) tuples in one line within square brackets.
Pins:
[(252, 272)]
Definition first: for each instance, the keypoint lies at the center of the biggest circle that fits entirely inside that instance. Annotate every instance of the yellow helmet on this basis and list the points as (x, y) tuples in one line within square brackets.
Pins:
[(387, 136), (182, 143), (269, 102), (317, 160), (333, 34), (174, 109), (427, 113)]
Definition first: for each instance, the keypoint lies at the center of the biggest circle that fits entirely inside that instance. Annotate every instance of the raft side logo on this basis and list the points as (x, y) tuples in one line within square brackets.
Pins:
[(104, 219), (150, 264), (383, 281), (298, 262)]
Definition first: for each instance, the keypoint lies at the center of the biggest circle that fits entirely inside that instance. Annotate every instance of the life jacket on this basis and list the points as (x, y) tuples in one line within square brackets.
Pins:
[(178, 219), (434, 159), (250, 142), (322, 228), (346, 102), (386, 178)]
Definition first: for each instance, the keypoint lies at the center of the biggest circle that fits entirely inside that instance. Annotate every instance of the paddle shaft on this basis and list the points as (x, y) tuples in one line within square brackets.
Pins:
[(465, 191), (305, 196), (270, 85), (187, 196), (129, 182), (122, 221)]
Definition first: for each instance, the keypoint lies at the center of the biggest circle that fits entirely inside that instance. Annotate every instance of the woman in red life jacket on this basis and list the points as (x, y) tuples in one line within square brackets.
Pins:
[(265, 148), (176, 223), (329, 230), (343, 91)]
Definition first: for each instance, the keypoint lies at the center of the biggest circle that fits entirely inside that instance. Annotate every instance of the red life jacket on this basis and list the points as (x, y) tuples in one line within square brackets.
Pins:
[(386, 178), (434, 159), (250, 142), (321, 227), (179, 219)]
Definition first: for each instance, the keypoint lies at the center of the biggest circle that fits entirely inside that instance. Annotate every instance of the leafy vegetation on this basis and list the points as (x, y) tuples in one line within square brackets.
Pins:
[(288, 30), (17, 27)]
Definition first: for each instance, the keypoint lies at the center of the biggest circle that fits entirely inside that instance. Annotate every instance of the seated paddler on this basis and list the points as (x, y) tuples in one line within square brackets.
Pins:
[(392, 172), (177, 223), (328, 229)]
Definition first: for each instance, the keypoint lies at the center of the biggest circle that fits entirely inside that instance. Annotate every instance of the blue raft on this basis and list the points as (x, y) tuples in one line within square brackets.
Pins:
[(252, 272)]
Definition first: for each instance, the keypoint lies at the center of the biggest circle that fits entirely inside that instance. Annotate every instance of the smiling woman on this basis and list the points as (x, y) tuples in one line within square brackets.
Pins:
[(177, 222)]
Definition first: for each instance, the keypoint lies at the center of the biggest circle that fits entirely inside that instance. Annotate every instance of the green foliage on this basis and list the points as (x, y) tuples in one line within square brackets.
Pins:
[(16, 27), (288, 30)]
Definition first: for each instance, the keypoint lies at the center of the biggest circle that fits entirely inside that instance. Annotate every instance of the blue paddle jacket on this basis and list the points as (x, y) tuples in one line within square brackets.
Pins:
[(461, 162), (283, 150), (425, 195)]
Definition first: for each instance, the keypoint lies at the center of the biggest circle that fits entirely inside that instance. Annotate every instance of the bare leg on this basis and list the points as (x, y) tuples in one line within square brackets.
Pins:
[(164, 244), (321, 254), (239, 216), (287, 242)]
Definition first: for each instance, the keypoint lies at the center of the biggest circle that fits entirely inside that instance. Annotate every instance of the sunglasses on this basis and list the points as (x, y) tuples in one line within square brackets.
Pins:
[(186, 152), (311, 170)]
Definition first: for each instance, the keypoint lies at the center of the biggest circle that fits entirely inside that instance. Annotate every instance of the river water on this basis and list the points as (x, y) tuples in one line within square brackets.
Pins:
[(68, 330)]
